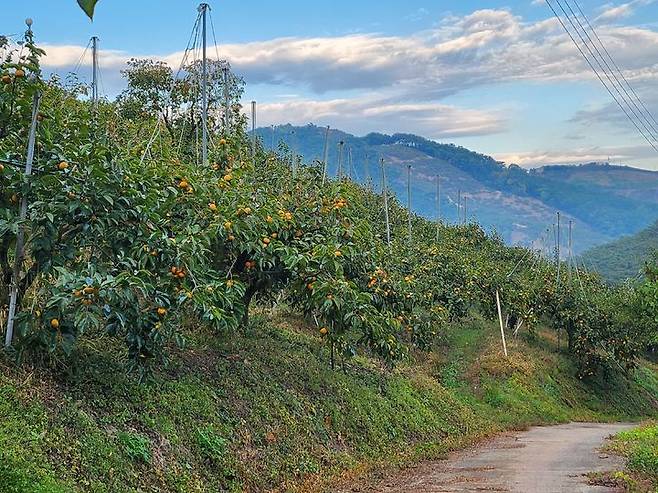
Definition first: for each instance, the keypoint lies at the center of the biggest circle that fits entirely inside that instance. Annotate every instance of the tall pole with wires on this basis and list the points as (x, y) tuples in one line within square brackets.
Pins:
[(557, 253), (341, 144), (437, 199), (325, 155), (409, 201), (385, 193), (94, 71), (349, 156), (253, 130), (569, 263), (459, 206), (203, 8), (227, 103)]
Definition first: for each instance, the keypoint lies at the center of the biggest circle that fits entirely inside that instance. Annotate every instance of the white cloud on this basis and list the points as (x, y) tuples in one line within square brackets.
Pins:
[(621, 154), (611, 12), (362, 116), (380, 82)]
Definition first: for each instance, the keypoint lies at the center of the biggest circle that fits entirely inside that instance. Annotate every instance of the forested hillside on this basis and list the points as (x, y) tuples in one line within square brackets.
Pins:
[(603, 201), (625, 258)]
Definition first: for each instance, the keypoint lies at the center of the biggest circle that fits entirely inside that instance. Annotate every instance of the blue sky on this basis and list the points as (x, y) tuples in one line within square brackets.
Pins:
[(499, 77)]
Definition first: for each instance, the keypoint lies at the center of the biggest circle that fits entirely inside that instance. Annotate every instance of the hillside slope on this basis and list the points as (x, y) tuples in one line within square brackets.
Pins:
[(604, 201), (624, 258), (262, 411)]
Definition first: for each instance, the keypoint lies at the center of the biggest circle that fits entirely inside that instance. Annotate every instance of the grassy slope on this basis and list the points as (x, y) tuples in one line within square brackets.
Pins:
[(262, 410)]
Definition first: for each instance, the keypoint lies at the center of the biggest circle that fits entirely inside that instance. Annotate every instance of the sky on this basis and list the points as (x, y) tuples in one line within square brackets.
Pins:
[(498, 77)]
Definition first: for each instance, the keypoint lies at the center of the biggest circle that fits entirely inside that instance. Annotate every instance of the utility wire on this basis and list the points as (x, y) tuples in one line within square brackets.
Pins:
[(633, 105), (614, 63), (596, 72)]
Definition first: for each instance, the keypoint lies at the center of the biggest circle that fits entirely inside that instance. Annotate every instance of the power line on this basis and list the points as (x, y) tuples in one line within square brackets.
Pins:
[(652, 131), (596, 72), (612, 60)]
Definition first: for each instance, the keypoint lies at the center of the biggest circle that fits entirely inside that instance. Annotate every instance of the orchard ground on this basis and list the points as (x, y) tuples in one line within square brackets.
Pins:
[(262, 410)]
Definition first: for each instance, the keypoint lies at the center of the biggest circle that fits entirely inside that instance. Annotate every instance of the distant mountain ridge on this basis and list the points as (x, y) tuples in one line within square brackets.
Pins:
[(604, 201)]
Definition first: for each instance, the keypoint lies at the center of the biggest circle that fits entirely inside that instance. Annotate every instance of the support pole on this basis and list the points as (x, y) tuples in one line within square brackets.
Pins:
[(459, 206), (366, 168), (203, 8), (94, 71), (341, 144), (500, 319), (385, 193), (349, 156), (227, 102), (20, 235), (557, 253), (570, 261), (409, 201), (438, 205), (253, 131), (325, 155)]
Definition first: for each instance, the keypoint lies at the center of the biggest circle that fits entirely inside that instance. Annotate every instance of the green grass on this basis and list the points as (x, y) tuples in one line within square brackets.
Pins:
[(262, 411), (640, 448)]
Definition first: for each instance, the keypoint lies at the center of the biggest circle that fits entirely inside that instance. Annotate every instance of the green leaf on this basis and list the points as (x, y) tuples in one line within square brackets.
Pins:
[(88, 6)]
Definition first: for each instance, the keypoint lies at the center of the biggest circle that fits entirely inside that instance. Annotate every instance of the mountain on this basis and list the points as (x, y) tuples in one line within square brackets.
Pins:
[(623, 258), (604, 201)]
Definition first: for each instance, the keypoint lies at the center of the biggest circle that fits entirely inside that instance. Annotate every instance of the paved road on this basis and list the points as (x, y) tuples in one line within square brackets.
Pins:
[(550, 459)]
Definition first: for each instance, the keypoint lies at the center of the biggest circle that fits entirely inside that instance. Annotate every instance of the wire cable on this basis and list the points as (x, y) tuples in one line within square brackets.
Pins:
[(596, 72)]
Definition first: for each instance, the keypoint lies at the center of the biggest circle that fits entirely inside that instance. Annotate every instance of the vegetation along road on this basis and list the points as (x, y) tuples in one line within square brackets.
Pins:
[(549, 459)]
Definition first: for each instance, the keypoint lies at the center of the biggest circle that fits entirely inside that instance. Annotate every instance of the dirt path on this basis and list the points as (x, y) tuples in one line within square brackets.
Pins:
[(550, 459)]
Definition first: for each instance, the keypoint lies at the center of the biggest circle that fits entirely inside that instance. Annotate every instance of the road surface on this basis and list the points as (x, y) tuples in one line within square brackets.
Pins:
[(551, 459)]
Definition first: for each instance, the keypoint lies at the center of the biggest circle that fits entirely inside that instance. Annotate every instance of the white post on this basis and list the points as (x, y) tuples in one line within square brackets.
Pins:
[(325, 155), (18, 258), (500, 319), (385, 192), (203, 8)]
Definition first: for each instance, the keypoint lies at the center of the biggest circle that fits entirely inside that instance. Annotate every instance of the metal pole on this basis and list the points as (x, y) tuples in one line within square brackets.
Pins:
[(20, 235), (94, 71), (409, 200), (203, 8), (253, 130), (570, 247), (325, 155), (366, 167), (349, 154), (340, 159), (557, 252), (227, 104), (385, 192), (465, 210), (438, 205), (459, 206)]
